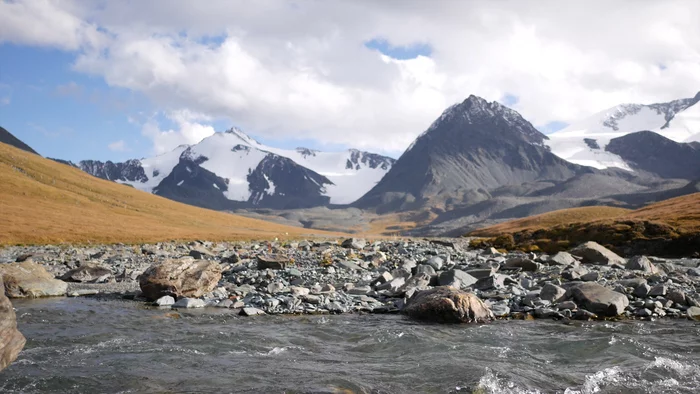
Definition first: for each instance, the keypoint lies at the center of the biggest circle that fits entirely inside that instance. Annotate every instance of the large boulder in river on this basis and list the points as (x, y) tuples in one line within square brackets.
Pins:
[(88, 273), (598, 299), (11, 340), (180, 278), (446, 304), (595, 253), (29, 279)]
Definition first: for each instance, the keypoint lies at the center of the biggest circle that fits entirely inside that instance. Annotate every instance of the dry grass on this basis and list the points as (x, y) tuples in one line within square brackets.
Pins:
[(682, 212), (551, 219), (42, 201)]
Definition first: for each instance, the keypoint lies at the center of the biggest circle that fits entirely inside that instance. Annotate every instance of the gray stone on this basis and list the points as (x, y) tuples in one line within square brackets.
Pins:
[(570, 305), (658, 290), (497, 281), (643, 312), (251, 312), (591, 276), (186, 302), (598, 299), (199, 252), (164, 301), (561, 258), (425, 269), (633, 282), (435, 262), (522, 263), (481, 272), (450, 276), (552, 292), (594, 253), (642, 290), (393, 286), (640, 263), (677, 296), (360, 290), (349, 265), (88, 273), (299, 291), (225, 303)]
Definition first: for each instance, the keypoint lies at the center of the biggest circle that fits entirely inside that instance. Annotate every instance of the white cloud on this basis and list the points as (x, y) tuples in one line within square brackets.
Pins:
[(118, 146), (189, 131), (282, 69)]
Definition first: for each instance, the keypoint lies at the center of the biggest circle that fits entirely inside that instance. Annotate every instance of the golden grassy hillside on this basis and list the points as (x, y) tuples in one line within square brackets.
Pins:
[(42, 201), (551, 219), (670, 227)]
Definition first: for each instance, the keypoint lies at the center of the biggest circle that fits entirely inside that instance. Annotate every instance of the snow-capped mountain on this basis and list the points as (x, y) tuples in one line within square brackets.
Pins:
[(231, 169), (586, 142)]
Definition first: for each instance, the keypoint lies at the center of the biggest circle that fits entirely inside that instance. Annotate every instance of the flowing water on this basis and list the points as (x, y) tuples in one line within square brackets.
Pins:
[(98, 346)]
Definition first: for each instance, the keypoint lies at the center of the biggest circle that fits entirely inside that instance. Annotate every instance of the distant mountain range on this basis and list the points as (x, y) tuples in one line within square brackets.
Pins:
[(479, 163), (231, 170)]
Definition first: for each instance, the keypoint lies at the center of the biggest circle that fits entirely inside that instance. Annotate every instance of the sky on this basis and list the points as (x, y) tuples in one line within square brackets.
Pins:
[(114, 80)]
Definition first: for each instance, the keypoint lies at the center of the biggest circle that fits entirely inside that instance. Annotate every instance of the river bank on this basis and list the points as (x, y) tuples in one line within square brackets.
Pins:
[(319, 277)]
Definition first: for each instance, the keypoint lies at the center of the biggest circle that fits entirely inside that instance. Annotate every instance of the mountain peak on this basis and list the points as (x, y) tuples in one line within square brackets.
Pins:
[(242, 136)]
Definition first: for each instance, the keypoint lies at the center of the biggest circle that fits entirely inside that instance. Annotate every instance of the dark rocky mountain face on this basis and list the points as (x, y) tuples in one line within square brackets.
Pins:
[(189, 183), (656, 154), (278, 182), (128, 171), (372, 160), (7, 138), (474, 145)]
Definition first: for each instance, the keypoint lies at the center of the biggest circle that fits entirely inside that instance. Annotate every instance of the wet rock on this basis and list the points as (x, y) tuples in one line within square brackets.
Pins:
[(164, 301), (598, 299), (594, 253), (29, 279), (272, 261), (570, 305), (693, 313), (354, 243), (180, 278), (658, 291), (640, 263), (552, 293), (188, 303), (642, 290), (643, 312), (447, 305), (449, 277), (11, 340), (88, 273)]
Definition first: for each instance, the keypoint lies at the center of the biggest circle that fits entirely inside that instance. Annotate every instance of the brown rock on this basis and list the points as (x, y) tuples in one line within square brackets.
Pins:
[(272, 261), (447, 305), (11, 340), (29, 279), (180, 278)]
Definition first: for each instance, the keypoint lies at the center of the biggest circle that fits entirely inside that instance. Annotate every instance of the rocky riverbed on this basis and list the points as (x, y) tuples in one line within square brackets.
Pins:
[(353, 275)]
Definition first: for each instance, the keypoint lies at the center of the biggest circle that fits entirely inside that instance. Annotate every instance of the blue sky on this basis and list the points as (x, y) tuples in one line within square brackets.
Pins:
[(117, 80), (69, 115)]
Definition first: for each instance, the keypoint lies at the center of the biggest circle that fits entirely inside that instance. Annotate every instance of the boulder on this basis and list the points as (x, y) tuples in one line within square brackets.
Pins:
[(29, 279), (88, 273), (447, 305), (199, 252), (180, 278), (435, 262), (640, 263), (598, 299), (11, 340), (594, 253), (272, 261)]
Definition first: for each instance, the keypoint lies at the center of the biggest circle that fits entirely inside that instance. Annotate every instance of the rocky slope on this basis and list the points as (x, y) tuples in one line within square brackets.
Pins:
[(473, 147), (7, 138)]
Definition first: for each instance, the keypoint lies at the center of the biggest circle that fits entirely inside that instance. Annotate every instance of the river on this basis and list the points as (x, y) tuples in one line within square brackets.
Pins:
[(85, 345)]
